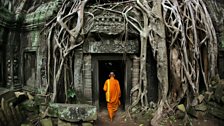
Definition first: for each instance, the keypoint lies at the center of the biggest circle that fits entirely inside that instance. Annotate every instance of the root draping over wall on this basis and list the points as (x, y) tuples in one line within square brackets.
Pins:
[(180, 33), (63, 37)]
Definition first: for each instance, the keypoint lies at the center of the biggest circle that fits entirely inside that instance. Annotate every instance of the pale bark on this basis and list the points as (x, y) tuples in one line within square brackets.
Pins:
[(63, 36)]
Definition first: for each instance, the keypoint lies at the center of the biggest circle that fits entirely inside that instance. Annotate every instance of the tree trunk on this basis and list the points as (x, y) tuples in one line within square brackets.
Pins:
[(162, 63)]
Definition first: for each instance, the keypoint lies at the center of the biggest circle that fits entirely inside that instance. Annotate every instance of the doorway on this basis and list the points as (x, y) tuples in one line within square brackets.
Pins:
[(104, 68), (102, 65), (2, 67), (29, 68)]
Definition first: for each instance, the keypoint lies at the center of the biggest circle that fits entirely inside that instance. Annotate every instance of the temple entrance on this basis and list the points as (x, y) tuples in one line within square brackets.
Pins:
[(105, 67), (102, 65)]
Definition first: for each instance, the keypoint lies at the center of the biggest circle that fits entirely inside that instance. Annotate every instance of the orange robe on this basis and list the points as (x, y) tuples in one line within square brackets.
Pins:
[(114, 95)]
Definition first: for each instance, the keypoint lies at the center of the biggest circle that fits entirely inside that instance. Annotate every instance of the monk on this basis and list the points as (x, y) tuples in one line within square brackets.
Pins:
[(113, 93)]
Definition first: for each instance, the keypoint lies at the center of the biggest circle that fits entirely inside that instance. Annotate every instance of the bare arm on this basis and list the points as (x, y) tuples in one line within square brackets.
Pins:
[(118, 88), (105, 86)]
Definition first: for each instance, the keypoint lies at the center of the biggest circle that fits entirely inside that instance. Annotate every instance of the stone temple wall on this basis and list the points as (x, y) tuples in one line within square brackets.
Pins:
[(25, 54), (23, 51), (24, 45)]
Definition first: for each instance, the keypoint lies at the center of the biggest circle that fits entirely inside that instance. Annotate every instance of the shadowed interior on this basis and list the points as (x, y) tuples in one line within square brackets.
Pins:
[(105, 67)]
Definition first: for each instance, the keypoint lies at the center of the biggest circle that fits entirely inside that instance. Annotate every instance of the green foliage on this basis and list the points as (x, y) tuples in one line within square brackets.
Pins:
[(39, 90), (222, 44), (72, 95), (221, 40)]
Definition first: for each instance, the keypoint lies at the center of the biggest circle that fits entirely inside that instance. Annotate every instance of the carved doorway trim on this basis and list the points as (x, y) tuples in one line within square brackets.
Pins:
[(29, 62), (98, 60)]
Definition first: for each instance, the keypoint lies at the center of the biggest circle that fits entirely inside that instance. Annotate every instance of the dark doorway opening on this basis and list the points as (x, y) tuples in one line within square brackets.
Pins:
[(2, 66), (1, 69), (105, 67), (29, 68)]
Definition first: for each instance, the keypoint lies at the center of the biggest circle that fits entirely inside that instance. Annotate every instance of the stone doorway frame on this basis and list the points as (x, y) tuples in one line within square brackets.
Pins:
[(95, 76), (26, 51)]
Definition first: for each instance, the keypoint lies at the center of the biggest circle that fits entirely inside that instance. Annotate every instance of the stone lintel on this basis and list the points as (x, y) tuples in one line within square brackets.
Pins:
[(111, 46)]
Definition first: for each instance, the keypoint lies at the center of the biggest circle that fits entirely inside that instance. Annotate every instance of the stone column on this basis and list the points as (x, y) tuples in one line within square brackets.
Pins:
[(16, 60), (12, 60), (9, 60), (78, 61), (35, 40), (135, 76), (87, 77)]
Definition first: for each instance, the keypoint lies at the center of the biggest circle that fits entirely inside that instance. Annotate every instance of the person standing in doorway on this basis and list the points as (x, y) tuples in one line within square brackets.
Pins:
[(113, 94)]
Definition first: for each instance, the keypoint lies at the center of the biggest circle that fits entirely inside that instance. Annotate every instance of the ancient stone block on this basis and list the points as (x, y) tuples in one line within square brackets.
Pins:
[(111, 46), (73, 112), (24, 124), (215, 110), (63, 123), (201, 107), (46, 122)]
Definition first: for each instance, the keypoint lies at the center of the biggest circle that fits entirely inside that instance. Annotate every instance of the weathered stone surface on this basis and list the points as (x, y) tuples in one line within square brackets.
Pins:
[(63, 123), (7, 95), (111, 46), (46, 122), (191, 111), (216, 110), (28, 105), (73, 112), (3, 91), (87, 124), (201, 107), (180, 114), (219, 92), (195, 113), (200, 98), (26, 124), (43, 12), (109, 23)]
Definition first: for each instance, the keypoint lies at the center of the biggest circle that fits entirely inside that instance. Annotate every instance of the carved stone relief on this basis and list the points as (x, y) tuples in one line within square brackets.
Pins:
[(109, 23), (15, 71), (43, 72), (16, 81), (111, 46), (87, 78), (9, 73)]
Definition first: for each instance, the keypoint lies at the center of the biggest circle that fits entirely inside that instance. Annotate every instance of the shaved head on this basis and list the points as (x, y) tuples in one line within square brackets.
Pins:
[(111, 74)]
